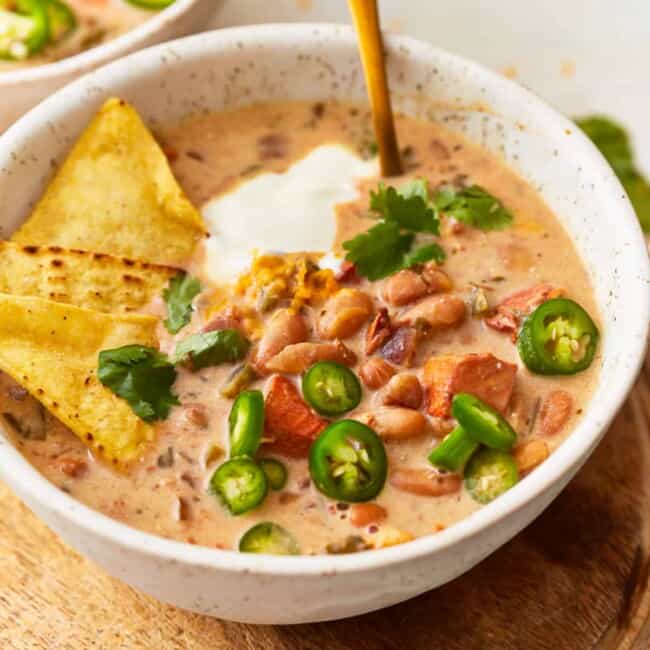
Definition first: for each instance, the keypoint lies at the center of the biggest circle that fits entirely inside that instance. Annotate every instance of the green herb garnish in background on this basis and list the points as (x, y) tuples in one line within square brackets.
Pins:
[(385, 248), (178, 296), (614, 143), (142, 376), (474, 206), (211, 348)]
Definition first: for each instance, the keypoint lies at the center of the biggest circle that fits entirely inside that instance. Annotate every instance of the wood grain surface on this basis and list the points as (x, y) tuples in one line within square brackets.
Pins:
[(576, 579)]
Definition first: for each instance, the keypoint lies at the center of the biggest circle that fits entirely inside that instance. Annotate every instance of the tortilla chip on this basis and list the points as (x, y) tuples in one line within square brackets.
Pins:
[(51, 349), (91, 280), (116, 194)]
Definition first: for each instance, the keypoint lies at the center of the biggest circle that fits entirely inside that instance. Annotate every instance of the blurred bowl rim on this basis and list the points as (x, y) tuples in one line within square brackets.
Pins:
[(104, 53)]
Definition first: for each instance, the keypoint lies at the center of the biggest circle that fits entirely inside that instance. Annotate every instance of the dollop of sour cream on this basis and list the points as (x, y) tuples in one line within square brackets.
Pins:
[(282, 213)]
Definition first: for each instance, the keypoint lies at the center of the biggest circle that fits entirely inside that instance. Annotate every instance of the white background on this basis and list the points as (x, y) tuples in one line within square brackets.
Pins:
[(583, 56)]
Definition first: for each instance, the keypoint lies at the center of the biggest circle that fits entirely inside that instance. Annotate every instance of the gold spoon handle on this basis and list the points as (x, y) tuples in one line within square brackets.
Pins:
[(366, 21)]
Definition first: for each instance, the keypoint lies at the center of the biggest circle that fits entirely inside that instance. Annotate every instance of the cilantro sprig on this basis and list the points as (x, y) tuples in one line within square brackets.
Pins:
[(178, 296), (385, 248), (409, 207), (211, 348), (142, 376), (614, 143), (474, 206)]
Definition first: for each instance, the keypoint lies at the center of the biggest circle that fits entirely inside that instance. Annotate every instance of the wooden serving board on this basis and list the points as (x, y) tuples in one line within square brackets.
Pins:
[(576, 579)]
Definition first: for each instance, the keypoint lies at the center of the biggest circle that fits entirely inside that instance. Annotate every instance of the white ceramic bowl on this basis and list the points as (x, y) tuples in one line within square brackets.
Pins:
[(23, 88), (239, 66)]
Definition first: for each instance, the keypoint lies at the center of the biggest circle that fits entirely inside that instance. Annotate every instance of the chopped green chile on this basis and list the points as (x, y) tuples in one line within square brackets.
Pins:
[(24, 28), (211, 348), (268, 537), (62, 19), (482, 423), (276, 472), (331, 388), (558, 338), (347, 462), (490, 473), (454, 451), (240, 484), (246, 423), (238, 380)]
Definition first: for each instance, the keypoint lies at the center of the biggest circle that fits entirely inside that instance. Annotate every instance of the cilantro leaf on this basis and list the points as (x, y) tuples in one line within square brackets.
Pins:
[(211, 348), (424, 254), (380, 251), (474, 206), (178, 296), (614, 143), (142, 376), (409, 207), (386, 247)]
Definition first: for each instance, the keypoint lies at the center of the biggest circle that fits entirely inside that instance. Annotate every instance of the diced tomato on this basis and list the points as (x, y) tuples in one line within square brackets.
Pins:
[(555, 412), (482, 375), (347, 274), (289, 420), (509, 313)]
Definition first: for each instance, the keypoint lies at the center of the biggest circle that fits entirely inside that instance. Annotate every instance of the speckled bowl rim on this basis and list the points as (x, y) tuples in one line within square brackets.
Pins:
[(96, 56), (567, 458)]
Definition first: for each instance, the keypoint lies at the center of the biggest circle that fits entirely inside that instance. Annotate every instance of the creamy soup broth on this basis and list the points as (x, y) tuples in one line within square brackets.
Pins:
[(166, 493)]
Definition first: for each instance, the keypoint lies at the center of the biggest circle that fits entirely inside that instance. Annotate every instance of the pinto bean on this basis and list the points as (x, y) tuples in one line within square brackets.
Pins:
[(195, 414), (344, 313), (438, 311), (404, 287), (394, 422), (379, 331), (362, 514), (296, 358), (425, 482), (555, 412), (375, 373), (436, 279), (529, 455), (285, 328), (440, 427), (403, 390), (401, 347)]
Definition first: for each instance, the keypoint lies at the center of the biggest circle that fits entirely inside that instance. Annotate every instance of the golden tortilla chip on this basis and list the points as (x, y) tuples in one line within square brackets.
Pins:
[(51, 349), (116, 194), (91, 280)]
